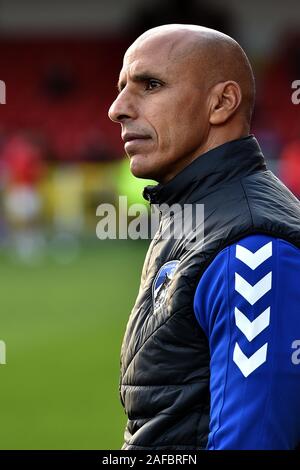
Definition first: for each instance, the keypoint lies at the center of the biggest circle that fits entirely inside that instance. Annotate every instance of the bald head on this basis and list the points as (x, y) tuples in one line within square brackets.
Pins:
[(217, 57), (183, 90)]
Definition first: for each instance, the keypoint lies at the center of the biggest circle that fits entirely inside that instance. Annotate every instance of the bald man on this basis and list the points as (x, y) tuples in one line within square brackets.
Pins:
[(213, 341)]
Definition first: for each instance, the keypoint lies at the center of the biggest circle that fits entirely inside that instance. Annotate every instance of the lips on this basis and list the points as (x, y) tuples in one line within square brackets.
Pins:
[(133, 142), (133, 136)]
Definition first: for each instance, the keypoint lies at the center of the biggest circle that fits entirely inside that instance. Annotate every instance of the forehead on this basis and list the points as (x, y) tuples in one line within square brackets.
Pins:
[(159, 53)]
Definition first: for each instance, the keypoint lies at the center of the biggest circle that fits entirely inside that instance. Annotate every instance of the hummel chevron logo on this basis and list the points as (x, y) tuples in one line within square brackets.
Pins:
[(252, 328), (253, 293), (253, 260), (248, 364)]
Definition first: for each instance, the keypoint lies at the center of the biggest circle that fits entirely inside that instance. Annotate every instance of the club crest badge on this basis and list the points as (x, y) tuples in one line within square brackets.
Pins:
[(162, 281)]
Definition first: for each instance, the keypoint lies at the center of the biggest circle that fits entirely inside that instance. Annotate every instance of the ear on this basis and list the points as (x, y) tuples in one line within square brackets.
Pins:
[(226, 97)]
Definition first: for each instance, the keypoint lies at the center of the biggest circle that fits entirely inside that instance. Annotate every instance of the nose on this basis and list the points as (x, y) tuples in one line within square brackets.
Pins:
[(122, 108)]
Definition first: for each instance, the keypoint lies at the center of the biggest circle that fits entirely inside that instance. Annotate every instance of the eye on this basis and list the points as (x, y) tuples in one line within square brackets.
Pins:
[(151, 84)]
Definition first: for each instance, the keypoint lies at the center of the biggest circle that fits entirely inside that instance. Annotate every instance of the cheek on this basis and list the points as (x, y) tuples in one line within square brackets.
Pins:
[(167, 124), (180, 131), (191, 121), (163, 128), (177, 122)]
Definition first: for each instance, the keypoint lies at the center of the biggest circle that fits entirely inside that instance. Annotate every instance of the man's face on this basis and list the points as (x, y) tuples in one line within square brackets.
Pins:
[(162, 108)]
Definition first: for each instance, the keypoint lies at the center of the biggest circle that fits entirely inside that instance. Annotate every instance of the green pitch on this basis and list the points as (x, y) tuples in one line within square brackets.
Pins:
[(63, 326)]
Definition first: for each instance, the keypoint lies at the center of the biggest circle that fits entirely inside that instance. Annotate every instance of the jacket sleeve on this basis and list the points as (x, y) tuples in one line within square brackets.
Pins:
[(248, 304)]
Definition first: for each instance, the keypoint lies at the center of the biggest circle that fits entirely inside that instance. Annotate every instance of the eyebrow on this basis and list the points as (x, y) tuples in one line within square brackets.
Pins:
[(138, 77)]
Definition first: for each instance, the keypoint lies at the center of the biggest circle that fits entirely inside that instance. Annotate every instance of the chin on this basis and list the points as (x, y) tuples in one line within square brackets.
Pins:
[(138, 169)]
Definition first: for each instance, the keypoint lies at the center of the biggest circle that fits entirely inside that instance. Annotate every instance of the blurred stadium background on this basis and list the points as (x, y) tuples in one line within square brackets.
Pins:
[(65, 295)]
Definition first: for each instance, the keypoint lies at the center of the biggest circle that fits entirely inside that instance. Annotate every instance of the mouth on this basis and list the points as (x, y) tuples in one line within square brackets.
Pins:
[(133, 141)]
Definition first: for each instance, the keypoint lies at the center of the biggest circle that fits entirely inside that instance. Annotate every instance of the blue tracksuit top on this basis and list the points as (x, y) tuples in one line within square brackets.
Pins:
[(248, 304)]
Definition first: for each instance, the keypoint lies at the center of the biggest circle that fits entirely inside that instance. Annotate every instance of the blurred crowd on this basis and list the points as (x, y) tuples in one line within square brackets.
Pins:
[(59, 152)]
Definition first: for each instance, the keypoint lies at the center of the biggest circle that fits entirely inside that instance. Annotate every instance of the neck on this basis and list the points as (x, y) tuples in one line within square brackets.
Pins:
[(213, 140)]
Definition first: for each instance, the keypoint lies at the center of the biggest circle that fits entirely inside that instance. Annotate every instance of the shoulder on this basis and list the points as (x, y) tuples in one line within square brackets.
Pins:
[(250, 268), (247, 302)]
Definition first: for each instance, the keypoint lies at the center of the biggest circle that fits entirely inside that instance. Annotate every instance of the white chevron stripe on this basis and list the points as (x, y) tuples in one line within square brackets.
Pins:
[(253, 260), (253, 293), (248, 364), (251, 329)]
